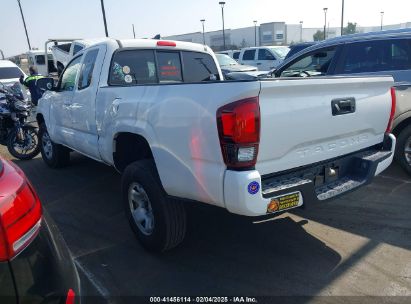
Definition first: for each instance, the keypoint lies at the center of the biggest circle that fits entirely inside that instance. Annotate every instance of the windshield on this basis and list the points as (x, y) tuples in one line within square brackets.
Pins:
[(225, 60), (280, 51), (10, 72)]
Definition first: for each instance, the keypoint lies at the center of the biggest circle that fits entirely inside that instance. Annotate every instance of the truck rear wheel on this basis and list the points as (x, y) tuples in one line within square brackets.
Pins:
[(403, 149), (54, 155), (159, 222)]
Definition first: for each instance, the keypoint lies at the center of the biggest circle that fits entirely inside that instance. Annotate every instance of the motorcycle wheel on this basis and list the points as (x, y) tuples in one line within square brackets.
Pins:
[(24, 149)]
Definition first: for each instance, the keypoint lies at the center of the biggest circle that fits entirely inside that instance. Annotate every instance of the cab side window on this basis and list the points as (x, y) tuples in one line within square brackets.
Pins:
[(376, 56), (87, 68), (316, 63), (68, 79)]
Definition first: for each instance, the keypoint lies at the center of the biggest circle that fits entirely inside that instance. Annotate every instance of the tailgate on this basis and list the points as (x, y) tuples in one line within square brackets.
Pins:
[(304, 121)]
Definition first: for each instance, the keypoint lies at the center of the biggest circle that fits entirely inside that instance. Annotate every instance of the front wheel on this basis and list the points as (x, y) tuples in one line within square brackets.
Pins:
[(158, 221), (23, 143), (54, 155)]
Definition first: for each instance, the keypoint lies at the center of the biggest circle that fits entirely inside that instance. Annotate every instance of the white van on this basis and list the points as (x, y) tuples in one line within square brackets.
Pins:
[(235, 54), (36, 58), (265, 58)]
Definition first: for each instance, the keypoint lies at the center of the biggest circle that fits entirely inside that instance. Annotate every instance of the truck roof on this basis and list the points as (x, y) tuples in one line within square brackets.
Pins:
[(151, 43), (154, 43)]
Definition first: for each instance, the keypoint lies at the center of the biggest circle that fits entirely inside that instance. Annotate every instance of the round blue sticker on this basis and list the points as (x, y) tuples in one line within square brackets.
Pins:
[(253, 187)]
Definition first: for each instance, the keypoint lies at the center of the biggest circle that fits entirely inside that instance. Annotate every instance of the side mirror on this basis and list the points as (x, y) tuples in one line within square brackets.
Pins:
[(45, 84), (272, 73)]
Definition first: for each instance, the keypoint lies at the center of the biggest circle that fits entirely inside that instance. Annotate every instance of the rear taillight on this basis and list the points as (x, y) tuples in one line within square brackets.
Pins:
[(392, 113), (71, 296), (239, 132), (20, 212)]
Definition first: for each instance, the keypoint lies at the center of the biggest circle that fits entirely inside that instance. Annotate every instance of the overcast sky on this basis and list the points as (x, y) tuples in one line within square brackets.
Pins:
[(82, 18)]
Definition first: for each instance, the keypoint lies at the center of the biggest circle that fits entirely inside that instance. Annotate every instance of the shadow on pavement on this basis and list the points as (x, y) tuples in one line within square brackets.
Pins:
[(222, 254), (380, 212)]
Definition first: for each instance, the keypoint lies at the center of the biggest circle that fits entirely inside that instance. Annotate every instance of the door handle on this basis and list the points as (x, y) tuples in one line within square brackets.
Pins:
[(259, 63), (341, 106)]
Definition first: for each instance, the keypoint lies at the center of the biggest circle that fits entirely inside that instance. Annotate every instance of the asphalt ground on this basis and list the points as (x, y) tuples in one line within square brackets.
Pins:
[(355, 249)]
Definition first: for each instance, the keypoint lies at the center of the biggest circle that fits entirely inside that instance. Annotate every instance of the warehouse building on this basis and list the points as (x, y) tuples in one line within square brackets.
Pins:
[(272, 33)]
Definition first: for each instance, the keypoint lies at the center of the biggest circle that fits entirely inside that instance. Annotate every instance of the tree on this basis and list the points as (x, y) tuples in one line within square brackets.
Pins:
[(243, 43), (318, 36), (351, 28)]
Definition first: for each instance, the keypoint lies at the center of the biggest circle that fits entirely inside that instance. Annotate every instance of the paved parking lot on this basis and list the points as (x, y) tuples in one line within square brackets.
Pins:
[(354, 246)]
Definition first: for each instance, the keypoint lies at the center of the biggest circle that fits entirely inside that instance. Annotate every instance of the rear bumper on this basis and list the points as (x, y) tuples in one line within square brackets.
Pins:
[(248, 193)]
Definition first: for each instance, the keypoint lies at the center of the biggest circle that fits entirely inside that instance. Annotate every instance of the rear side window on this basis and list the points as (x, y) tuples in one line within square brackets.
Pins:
[(169, 67), (236, 55), (133, 67), (264, 54), (249, 55), (199, 67), (376, 56), (87, 69)]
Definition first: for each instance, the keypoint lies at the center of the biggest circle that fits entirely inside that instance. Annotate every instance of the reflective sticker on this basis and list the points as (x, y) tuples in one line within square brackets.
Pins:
[(253, 187), (126, 69), (128, 79)]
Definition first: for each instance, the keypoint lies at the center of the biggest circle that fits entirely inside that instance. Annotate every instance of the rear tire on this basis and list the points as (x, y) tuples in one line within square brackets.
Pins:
[(403, 149), (158, 221), (54, 155)]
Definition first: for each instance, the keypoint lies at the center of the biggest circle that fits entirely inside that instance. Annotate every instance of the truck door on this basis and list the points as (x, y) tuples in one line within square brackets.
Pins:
[(249, 57), (84, 100), (266, 60), (60, 105)]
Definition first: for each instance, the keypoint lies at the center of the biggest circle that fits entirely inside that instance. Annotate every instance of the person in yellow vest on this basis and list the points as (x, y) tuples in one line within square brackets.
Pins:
[(31, 83)]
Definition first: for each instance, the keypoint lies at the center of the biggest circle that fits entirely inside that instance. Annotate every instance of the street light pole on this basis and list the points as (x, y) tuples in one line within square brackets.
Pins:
[(301, 31), (202, 21), (134, 32), (325, 22), (104, 17), (342, 18), (382, 19), (222, 14), (24, 23), (255, 32)]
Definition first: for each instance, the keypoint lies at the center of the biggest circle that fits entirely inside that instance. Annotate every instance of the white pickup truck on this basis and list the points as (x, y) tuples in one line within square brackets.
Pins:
[(159, 112), (63, 53)]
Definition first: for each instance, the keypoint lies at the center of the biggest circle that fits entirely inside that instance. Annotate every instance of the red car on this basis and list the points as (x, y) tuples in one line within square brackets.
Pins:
[(35, 264)]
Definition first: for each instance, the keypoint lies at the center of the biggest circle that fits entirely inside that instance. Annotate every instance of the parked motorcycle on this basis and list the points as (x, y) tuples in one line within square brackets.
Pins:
[(16, 132)]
